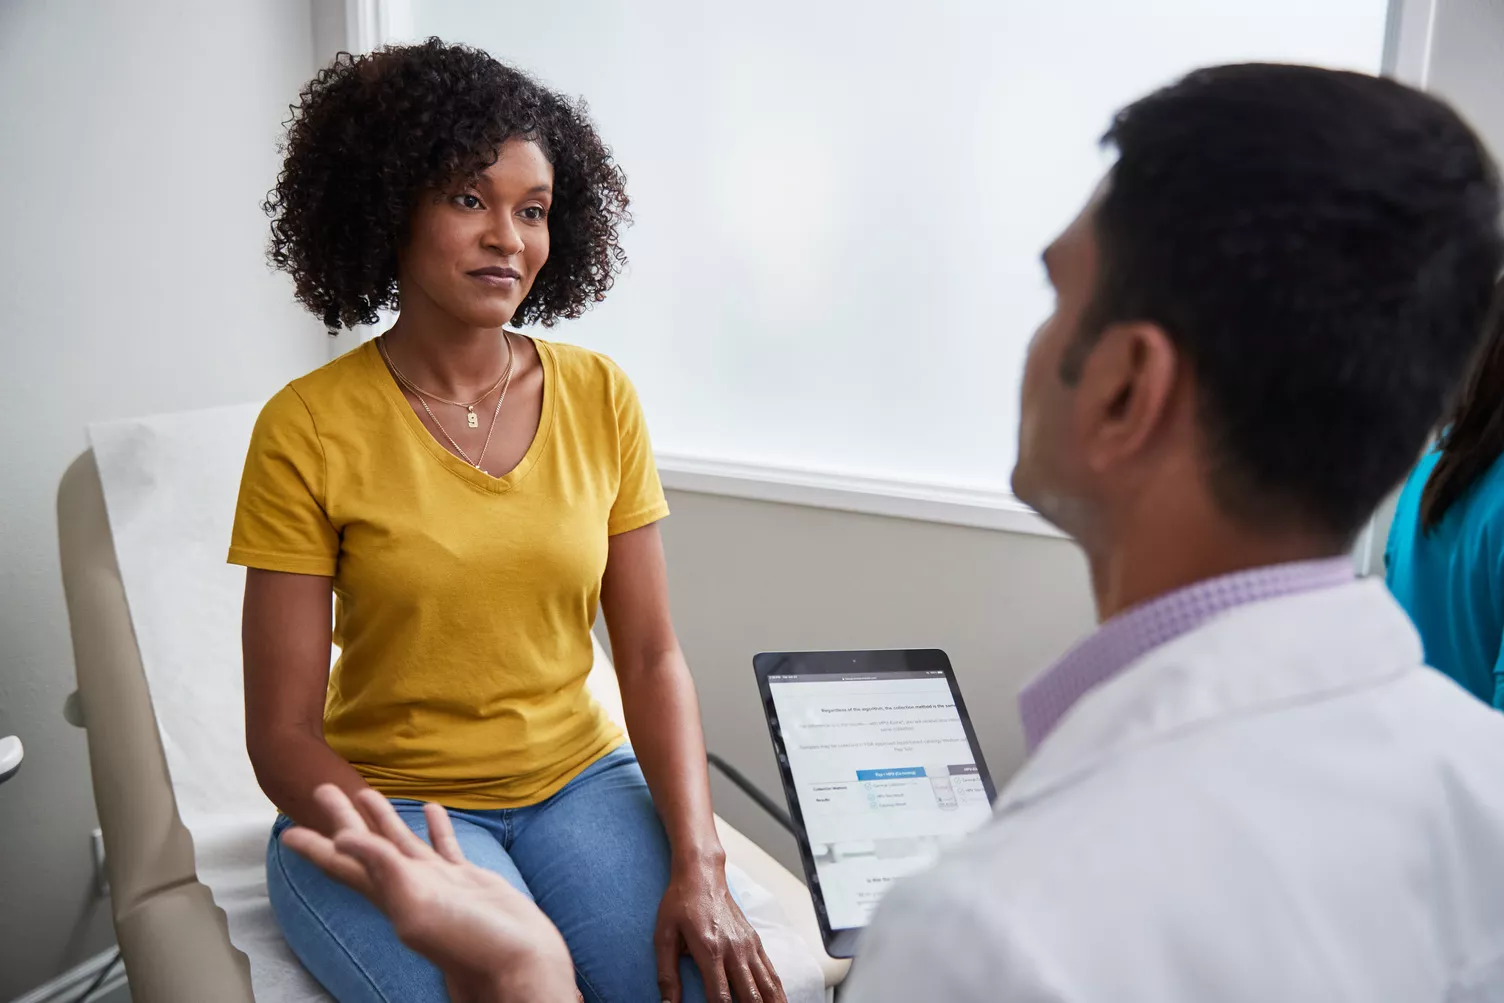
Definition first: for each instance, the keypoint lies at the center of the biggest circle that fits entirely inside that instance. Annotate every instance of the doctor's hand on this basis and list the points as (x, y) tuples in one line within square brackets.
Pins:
[(490, 941), (699, 916)]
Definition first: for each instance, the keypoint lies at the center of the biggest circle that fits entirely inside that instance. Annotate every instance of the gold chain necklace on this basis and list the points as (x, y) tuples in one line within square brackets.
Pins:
[(424, 396), (470, 417)]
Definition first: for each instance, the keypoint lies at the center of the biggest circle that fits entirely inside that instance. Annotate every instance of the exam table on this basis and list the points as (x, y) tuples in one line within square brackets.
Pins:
[(173, 937)]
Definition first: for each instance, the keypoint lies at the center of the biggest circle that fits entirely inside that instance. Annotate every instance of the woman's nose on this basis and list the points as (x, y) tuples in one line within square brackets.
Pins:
[(504, 236)]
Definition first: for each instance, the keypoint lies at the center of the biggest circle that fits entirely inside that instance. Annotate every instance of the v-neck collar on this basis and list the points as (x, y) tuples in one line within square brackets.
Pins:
[(389, 388)]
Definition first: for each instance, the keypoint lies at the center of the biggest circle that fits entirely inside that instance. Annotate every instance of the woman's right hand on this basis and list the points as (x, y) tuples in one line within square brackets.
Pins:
[(491, 942)]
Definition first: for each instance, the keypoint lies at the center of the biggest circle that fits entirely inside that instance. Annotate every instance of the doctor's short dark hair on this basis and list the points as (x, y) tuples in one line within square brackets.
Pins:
[(371, 134), (1321, 246)]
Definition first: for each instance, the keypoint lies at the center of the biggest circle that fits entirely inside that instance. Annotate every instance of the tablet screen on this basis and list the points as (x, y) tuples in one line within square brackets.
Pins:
[(884, 771)]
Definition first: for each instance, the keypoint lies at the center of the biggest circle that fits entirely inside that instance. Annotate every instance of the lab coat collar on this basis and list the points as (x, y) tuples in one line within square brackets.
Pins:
[(1255, 658)]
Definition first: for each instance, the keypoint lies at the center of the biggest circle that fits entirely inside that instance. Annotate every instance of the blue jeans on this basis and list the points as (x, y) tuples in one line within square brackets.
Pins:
[(594, 857)]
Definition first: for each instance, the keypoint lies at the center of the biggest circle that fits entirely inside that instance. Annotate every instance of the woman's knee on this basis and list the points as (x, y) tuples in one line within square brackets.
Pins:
[(344, 941), (597, 860)]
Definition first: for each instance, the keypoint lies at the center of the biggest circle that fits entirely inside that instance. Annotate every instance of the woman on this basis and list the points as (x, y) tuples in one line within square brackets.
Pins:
[(469, 495), (1445, 557)]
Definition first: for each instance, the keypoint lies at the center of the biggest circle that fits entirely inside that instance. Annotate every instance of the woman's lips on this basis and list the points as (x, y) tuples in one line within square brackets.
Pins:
[(499, 277)]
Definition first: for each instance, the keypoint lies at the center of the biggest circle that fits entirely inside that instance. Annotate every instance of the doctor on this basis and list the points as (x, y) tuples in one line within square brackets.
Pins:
[(1245, 786)]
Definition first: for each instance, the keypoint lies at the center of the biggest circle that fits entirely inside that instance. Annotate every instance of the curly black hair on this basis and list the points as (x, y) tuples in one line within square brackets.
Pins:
[(371, 134)]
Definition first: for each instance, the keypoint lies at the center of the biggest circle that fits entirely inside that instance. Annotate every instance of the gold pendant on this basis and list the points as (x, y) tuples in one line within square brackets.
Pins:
[(471, 420)]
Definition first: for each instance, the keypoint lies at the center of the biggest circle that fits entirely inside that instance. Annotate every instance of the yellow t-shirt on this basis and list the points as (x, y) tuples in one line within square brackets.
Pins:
[(463, 602)]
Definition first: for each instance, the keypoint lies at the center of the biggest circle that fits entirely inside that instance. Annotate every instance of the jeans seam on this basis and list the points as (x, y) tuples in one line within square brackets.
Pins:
[(328, 930), (594, 992)]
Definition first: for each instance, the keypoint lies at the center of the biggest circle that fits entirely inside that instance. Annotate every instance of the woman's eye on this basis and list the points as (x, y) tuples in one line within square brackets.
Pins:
[(535, 212), (468, 201)]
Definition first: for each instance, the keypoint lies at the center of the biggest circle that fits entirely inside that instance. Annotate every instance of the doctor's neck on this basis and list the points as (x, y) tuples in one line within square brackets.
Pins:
[(1163, 544)]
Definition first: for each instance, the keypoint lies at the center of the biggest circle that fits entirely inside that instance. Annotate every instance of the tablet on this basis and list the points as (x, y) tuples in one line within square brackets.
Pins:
[(881, 769)]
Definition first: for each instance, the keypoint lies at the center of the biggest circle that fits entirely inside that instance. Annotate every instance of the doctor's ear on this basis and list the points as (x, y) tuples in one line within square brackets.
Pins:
[(1127, 389)]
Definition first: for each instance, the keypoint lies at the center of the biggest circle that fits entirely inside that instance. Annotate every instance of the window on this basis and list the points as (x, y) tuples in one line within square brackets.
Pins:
[(840, 205)]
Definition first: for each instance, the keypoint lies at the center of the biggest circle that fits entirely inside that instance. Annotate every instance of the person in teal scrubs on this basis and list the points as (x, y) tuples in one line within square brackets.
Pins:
[(1445, 556)]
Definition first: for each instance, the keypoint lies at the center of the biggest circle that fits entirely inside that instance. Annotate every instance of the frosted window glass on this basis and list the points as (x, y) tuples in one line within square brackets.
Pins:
[(840, 205)]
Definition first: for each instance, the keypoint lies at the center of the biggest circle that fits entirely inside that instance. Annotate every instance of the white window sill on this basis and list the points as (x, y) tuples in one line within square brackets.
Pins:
[(843, 493)]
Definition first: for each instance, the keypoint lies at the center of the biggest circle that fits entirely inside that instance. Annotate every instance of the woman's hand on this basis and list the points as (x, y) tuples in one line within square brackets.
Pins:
[(490, 941), (699, 917)]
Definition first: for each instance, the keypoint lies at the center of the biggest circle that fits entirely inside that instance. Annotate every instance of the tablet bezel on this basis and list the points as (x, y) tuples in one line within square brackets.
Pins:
[(841, 942)]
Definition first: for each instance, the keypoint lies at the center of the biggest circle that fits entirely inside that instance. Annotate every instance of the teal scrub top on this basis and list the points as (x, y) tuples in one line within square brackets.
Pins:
[(1451, 580)]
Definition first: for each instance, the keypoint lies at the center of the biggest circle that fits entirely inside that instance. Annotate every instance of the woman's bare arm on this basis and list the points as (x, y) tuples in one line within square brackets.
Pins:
[(658, 695), (285, 629), (698, 914)]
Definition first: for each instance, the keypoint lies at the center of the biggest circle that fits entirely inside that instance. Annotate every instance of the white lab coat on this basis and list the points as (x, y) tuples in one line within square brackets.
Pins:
[(1284, 806)]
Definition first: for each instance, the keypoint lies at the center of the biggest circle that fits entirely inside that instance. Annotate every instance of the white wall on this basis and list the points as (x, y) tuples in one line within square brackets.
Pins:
[(1467, 64), (136, 141)]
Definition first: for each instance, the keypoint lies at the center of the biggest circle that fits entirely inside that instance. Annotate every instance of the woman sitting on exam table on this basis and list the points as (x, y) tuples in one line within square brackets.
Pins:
[(469, 495), (1445, 557)]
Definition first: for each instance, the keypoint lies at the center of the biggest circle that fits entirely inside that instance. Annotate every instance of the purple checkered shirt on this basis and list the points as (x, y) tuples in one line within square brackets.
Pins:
[(1135, 632)]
